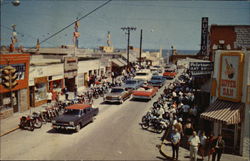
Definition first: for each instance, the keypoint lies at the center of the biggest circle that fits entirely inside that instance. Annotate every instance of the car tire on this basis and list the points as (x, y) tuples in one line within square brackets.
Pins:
[(78, 127)]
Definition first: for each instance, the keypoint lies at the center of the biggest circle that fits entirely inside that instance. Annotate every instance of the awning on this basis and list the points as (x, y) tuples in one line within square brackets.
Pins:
[(224, 111), (122, 61), (117, 62)]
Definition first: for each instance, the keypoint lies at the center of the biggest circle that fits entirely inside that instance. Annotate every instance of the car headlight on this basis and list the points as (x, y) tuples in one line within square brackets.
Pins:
[(53, 121), (71, 123)]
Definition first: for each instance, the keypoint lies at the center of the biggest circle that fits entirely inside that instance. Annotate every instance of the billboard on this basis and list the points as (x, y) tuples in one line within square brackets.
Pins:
[(231, 75)]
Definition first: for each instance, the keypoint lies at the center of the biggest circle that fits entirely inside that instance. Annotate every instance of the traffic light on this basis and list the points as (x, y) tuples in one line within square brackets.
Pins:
[(9, 77)]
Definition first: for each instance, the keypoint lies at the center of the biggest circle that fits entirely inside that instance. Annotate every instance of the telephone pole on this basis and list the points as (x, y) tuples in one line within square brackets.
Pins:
[(128, 33), (140, 48)]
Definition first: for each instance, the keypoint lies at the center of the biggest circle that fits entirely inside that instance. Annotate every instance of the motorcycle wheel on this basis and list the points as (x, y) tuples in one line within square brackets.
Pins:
[(96, 96), (159, 129), (37, 123), (101, 94), (144, 125), (31, 127)]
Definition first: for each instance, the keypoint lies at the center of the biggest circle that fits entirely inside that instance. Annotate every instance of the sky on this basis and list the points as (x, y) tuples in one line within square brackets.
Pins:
[(164, 23)]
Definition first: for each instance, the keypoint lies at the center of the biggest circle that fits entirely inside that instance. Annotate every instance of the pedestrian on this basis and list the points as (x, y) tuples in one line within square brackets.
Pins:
[(194, 142), (210, 142), (178, 126), (75, 91), (49, 97), (175, 143), (202, 148), (219, 145), (66, 91)]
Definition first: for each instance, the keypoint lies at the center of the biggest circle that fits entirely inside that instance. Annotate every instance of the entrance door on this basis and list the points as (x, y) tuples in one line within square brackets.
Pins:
[(70, 83)]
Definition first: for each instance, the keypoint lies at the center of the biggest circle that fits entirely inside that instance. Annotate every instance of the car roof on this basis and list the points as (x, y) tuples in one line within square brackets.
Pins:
[(78, 106)]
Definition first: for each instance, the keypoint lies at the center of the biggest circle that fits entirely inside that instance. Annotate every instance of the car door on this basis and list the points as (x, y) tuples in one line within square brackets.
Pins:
[(89, 114)]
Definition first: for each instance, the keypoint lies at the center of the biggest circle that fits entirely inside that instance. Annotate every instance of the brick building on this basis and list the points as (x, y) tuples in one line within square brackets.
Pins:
[(230, 37)]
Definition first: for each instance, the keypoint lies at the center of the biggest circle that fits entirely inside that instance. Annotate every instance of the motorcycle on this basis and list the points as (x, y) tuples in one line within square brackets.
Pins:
[(30, 123)]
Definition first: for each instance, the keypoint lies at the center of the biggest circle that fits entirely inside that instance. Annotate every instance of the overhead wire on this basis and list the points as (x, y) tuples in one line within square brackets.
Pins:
[(76, 21)]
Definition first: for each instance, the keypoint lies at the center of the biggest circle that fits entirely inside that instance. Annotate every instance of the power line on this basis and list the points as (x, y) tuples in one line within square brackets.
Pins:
[(75, 21)]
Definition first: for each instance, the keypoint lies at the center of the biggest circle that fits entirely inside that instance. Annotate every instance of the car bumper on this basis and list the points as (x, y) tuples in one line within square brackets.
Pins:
[(141, 97), (63, 127), (113, 100)]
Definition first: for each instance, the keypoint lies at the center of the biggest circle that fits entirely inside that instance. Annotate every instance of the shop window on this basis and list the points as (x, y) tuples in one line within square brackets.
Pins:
[(5, 100), (40, 91)]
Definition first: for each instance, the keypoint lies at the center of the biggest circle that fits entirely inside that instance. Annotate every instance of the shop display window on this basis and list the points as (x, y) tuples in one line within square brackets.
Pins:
[(5, 100), (41, 91)]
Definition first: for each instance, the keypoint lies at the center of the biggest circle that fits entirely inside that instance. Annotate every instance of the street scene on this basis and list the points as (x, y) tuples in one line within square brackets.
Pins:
[(125, 80)]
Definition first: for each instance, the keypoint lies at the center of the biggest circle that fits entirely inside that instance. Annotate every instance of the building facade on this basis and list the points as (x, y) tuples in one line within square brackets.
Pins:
[(20, 92)]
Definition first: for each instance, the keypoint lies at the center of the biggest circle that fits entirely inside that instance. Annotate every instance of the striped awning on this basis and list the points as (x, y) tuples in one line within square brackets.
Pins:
[(117, 62), (224, 111), (122, 61)]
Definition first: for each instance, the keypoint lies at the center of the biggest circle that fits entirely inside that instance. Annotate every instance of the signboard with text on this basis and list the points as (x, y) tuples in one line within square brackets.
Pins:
[(231, 73), (201, 68), (204, 36)]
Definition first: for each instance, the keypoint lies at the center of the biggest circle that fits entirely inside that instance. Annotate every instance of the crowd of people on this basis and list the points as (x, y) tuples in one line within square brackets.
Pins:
[(182, 111)]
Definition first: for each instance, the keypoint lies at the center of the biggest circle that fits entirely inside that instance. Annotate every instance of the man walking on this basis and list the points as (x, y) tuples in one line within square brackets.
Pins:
[(194, 142), (219, 147), (175, 142)]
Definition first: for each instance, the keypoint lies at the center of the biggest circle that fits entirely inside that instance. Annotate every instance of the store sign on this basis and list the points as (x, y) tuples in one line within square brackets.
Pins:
[(204, 35), (70, 64), (201, 68), (231, 73)]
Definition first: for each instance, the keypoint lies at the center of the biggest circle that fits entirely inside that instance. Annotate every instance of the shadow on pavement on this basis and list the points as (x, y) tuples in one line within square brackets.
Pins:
[(66, 132), (139, 100)]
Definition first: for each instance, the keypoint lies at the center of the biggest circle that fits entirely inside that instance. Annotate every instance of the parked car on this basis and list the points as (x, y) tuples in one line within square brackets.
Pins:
[(133, 84), (144, 74), (117, 94), (157, 81), (75, 117), (145, 92)]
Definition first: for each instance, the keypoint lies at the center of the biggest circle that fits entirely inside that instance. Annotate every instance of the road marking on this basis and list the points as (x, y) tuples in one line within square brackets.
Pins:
[(5, 133)]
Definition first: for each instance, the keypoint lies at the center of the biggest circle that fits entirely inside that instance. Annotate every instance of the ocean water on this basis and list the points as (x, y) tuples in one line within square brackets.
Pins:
[(181, 52)]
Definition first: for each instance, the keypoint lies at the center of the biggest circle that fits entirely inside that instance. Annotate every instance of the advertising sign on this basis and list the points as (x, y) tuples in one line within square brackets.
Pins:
[(204, 35), (231, 73), (201, 68)]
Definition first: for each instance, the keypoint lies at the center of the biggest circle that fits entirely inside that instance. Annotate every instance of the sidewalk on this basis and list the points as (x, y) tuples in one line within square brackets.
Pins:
[(166, 151)]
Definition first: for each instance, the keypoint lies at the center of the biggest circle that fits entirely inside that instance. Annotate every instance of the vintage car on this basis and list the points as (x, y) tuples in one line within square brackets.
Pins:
[(133, 84), (157, 81), (170, 73), (74, 117), (117, 94), (143, 74), (144, 92)]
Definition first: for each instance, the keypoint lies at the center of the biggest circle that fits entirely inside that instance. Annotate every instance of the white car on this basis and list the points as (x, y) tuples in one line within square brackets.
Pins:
[(144, 74)]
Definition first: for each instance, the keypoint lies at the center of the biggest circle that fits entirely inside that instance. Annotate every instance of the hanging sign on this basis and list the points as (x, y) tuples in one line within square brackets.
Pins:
[(231, 73)]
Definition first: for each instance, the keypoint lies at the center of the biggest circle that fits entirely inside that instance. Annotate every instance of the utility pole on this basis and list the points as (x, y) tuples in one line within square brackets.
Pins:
[(128, 33), (140, 48)]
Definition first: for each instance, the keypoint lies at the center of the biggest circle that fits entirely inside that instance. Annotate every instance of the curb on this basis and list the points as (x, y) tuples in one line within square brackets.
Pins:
[(5, 133)]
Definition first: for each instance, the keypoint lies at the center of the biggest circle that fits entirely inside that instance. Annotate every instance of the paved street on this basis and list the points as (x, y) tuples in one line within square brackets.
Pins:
[(114, 134)]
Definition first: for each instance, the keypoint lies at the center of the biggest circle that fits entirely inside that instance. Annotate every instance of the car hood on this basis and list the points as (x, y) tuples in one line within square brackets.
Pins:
[(155, 81), (113, 94), (66, 118), (130, 85)]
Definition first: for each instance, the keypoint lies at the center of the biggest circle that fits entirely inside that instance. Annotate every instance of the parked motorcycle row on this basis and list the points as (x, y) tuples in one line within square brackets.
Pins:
[(164, 112)]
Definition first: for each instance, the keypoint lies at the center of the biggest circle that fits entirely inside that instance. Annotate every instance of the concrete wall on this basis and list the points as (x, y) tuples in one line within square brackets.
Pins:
[(23, 100)]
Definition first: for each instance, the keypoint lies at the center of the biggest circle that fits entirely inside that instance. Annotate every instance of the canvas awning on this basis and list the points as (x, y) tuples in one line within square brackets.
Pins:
[(223, 111), (117, 62), (122, 61)]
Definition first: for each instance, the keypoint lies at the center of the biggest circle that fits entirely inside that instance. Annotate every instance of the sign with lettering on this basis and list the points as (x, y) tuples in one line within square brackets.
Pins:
[(201, 68), (204, 36), (231, 73)]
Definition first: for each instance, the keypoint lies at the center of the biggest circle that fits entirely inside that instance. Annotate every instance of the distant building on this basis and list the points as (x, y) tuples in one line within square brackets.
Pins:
[(228, 37)]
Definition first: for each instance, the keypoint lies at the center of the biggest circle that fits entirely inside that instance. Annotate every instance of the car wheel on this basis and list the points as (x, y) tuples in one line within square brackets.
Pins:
[(121, 102), (78, 127)]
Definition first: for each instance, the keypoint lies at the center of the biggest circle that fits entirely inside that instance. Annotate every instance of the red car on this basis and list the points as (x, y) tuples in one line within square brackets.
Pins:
[(169, 74), (145, 92)]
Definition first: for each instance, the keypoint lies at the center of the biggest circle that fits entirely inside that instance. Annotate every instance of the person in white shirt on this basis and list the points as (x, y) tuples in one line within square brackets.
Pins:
[(194, 142), (49, 97)]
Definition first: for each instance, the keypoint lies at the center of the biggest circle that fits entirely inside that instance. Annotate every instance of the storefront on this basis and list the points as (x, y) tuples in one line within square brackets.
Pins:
[(20, 92), (228, 110), (38, 92), (70, 72)]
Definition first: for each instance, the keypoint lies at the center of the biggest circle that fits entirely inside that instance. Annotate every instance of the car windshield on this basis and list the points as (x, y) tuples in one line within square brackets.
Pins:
[(131, 82), (156, 78), (169, 70), (72, 112), (141, 74), (117, 90)]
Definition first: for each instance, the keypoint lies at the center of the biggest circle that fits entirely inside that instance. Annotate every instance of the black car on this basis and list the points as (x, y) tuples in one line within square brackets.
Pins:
[(75, 117)]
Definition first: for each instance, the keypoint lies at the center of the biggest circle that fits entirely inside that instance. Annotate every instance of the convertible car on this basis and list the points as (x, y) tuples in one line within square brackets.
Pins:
[(145, 93)]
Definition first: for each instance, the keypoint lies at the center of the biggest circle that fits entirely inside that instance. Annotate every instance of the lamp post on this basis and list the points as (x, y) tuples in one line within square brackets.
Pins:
[(128, 33)]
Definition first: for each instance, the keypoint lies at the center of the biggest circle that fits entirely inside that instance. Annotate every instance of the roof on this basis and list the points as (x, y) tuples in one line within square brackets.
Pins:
[(224, 111), (117, 62), (78, 106)]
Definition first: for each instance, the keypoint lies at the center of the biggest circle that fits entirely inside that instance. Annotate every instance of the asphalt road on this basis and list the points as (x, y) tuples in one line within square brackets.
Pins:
[(115, 134)]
